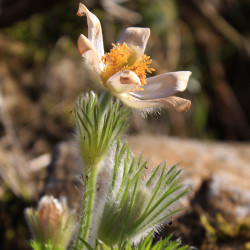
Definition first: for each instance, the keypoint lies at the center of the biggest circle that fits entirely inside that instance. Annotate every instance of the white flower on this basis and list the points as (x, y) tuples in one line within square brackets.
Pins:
[(123, 70)]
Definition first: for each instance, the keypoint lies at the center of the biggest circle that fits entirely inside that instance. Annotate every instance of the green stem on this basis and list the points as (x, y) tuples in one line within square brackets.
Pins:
[(91, 166), (90, 176)]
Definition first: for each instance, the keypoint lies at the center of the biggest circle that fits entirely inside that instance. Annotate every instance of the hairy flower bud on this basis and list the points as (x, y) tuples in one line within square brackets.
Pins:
[(52, 222)]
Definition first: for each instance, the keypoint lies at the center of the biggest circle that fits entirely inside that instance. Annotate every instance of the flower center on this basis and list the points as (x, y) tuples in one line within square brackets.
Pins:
[(121, 57)]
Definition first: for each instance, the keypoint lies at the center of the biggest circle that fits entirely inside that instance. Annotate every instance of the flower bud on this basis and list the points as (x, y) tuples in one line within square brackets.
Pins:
[(52, 222)]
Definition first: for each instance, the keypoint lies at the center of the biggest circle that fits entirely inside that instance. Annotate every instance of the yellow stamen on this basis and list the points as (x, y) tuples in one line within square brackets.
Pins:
[(120, 58)]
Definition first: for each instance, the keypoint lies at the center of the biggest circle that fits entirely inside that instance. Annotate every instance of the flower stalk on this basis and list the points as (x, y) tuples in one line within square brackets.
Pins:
[(99, 123), (87, 204)]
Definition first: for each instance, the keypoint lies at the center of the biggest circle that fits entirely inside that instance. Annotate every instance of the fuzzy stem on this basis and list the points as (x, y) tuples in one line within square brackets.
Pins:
[(91, 169), (90, 176)]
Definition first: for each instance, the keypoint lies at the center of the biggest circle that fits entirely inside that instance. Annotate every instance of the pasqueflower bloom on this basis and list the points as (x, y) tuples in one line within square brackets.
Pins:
[(123, 70)]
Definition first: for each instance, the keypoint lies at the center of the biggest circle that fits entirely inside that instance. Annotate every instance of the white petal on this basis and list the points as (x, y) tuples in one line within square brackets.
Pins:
[(164, 85), (94, 29), (84, 44), (173, 102), (91, 60), (136, 103), (123, 81), (135, 36)]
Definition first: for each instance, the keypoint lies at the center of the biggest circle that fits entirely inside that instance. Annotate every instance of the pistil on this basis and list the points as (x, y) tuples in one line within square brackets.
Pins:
[(121, 57)]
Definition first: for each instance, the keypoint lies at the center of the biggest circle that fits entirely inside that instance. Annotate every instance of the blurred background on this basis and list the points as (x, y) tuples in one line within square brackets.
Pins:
[(41, 75)]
